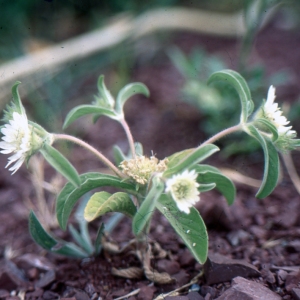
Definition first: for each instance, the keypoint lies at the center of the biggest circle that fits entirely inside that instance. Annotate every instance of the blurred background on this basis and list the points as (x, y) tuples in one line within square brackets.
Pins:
[(57, 49)]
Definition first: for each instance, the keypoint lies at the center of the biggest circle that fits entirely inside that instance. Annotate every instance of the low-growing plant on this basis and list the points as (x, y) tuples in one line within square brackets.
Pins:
[(172, 185)]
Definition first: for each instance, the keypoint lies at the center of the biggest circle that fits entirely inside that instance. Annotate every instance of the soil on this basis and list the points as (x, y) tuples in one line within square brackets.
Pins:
[(258, 239)]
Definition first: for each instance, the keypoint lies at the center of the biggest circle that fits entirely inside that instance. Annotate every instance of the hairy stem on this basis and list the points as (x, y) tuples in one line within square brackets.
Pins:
[(222, 134), (129, 137), (85, 145)]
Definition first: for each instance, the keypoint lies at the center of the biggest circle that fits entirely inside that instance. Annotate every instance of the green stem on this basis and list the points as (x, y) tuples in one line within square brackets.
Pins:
[(129, 136), (85, 145), (223, 133)]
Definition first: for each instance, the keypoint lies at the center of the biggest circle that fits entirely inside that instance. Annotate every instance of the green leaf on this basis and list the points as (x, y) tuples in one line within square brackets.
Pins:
[(98, 245), (119, 156), (142, 217), (102, 202), (240, 84), (138, 148), (69, 195), (46, 241), (190, 227), (80, 240), (60, 164), (208, 174), (268, 125), (175, 158), (105, 93), (271, 167), (189, 159), (83, 110), (128, 91), (82, 237), (205, 187), (16, 98)]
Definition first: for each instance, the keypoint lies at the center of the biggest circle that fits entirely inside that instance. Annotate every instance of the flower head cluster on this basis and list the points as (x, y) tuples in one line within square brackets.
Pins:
[(20, 137), (16, 139), (183, 189), (273, 114), (141, 168)]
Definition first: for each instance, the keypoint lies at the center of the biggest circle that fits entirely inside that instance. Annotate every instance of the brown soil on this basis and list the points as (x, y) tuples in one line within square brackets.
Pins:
[(264, 233)]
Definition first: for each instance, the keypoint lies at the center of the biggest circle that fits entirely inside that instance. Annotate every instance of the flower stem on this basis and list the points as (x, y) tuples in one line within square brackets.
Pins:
[(129, 136), (223, 133), (85, 145)]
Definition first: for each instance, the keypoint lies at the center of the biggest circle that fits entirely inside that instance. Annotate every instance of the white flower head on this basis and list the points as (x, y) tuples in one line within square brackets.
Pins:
[(183, 189), (16, 139), (273, 113)]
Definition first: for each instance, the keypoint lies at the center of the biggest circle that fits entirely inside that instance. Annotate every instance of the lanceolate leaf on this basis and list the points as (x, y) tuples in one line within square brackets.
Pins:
[(46, 241), (16, 98), (83, 110), (60, 164), (143, 215), (208, 174), (102, 202), (175, 158), (69, 195), (119, 156), (268, 125), (138, 148), (239, 83), (190, 227), (271, 167), (128, 91), (105, 93), (192, 158), (98, 239), (206, 187)]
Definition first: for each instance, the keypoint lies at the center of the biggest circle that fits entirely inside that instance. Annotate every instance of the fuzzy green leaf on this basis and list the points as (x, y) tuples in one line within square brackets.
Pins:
[(138, 148), (83, 110), (128, 91), (16, 98), (102, 202), (98, 240), (205, 187), (109, 101), (189, 159), (268, 125), (119, 156), (271, 167), (144, 213), (240, 84), (208, 174), (69, 195), (175, 158), (190, 227), (46, 241), (60, 164)]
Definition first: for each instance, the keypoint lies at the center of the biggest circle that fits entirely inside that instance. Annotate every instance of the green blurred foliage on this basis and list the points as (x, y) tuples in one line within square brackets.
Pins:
[(219, 103)]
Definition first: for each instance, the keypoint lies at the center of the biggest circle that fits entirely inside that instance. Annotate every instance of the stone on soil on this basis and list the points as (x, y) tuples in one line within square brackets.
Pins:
[(219, 268), (243, 289)]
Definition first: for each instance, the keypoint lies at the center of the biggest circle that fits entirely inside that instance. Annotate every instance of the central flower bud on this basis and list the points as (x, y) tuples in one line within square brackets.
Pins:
[(141, 168)]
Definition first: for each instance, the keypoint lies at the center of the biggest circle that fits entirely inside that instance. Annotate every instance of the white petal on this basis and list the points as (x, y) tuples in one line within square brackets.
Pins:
[(16, 166), (7, 151), (183, 207), (13, 158), (271, 95)]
